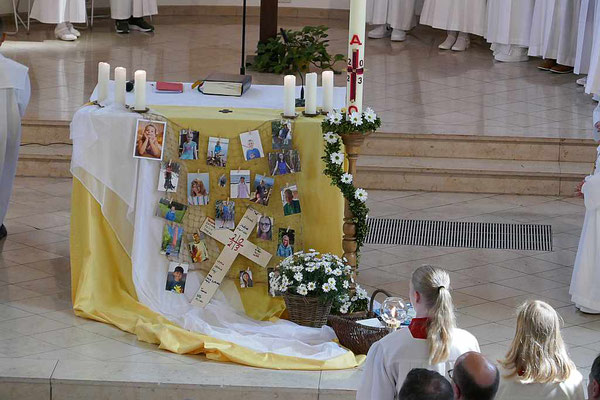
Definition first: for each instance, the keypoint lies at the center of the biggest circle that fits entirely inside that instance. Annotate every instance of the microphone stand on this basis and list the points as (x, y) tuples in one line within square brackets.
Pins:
[(299, 102), (243, 66)]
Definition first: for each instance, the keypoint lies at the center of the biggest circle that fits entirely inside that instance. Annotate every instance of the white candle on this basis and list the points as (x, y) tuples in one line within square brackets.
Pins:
[(289, 96), (103, 77), (327, 83), (120, 85), (140, 90), (356, 55), (311, 93)]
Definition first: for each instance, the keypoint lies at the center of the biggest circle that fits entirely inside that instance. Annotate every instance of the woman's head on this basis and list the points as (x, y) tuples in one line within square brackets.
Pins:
[(245, 277), (430, 295), (264, 224), (200, 187), (538, 353), (285, 240), (289, 195)]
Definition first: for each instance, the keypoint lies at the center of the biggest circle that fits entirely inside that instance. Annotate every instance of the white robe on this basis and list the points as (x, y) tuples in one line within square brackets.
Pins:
[(59, 11), (585, 36), (593, 81), (509, 22), (456, 15), (123, 9), (390, 360), (15, 91), (399, 14), (586, 271), (554, 30), (514, 389)]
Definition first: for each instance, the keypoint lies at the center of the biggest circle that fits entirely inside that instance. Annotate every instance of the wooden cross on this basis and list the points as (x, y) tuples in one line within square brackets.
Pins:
[(355, 72), (236, 243)]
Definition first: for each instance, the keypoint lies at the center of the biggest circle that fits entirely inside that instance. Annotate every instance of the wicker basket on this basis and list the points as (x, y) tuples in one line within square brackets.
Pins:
[(307, 311), (354, 336)]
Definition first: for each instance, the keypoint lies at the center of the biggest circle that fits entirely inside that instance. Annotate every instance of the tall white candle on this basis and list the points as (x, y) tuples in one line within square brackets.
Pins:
[(120, 85), (289, 96), (103, 77), (327, 83), (356, 55), (311, 93), (140, 90)]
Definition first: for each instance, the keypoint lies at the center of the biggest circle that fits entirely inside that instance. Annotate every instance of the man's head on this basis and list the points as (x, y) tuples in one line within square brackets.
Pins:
[(594, 385), (178, 273), (475, 378), (423, 384)]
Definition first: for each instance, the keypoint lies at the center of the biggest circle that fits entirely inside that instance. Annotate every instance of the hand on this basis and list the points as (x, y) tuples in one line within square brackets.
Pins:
[(597, 126)]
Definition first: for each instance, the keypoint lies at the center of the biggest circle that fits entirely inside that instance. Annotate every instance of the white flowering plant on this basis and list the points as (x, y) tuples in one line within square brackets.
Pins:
[(341, 122), (351, 302), (312, 274)]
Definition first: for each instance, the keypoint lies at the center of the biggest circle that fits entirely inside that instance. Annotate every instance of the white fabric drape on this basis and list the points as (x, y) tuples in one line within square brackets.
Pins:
[(456, 15), (123, 9), (554, 30), (593, 81), (585, 36), (399, 14), (59, 11), (509, 22), (15, 92)]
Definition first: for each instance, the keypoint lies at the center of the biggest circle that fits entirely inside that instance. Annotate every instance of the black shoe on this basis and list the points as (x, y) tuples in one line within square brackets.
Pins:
[(122, 26), (3, 232), (139, 24)]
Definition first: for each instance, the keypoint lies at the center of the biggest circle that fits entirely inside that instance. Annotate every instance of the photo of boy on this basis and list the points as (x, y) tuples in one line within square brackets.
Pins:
[(239, 184), (176, 277), (225, 214), (291, 201), (282, 163), (251, 145), (171, 239), (263, 188), (170, 210), (216, 154), (188, 144), (286, 242), (149, 139), (168, 178), (246, 279), (198, 250), (281, 133)]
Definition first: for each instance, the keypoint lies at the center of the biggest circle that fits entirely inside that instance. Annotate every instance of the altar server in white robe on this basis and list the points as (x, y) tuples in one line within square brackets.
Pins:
[(394, 18), (15, 91), (458, 17), (129, 14), (593, 80), (585, 38), (554, 34), (432, 340), (62, 13), (585, 281), (508, 28)]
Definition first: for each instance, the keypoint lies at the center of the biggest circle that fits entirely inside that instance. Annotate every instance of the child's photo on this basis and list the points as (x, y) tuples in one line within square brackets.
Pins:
[(216, 155), (246, 279), (273, 273), (281, 133), (171, 239), (222, 181), (264, 229), (198, 188), (291, 200), (240, 184), (225, 214), (149, 139), (251, 145), (286, 240), (263, 188), (284, 162), (168, 177), (170, 210), (176, 277), (188, 144), (198, 249)]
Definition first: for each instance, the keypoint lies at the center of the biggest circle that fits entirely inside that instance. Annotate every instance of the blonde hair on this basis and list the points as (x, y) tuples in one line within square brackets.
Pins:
[(433, 284), (538, 353)]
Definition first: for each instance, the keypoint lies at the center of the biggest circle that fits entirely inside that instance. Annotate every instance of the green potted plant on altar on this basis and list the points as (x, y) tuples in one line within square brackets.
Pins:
[(311, 283)]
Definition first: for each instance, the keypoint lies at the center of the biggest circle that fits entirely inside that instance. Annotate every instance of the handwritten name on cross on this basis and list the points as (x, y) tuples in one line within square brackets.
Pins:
[(236, 243), (355, 72)]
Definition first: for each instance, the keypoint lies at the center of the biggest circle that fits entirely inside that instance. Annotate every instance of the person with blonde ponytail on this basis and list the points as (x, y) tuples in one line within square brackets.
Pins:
[(537, 365), (432, 340)]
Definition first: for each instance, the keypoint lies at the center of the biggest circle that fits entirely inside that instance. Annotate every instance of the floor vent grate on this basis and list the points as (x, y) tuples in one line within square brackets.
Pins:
[(479, 235)]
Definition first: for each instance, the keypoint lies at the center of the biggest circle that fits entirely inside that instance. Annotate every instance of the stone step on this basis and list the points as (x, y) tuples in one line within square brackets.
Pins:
[(480, 147), (471, 175), (45, 131), (45, 161)]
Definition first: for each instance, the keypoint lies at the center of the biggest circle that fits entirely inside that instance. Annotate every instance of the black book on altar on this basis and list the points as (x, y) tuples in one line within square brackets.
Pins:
[(226, 84)]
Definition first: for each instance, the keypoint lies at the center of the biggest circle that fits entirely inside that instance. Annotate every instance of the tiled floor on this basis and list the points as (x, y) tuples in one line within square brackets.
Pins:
[(36, 321), (416, 87)]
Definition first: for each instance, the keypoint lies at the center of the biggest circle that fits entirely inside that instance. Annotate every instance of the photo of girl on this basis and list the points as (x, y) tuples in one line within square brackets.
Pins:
[(286, 242), (263, 188), (172, 211), (282, 163), (198, 250), (246, 279), (264, 229), (290, 199), (168, 178), (176, 277), (188, 144), (240, 184), (225, 214), (198, 189), (281, 132), (216, 155), (149, 139), (251, 145), (171, 240)]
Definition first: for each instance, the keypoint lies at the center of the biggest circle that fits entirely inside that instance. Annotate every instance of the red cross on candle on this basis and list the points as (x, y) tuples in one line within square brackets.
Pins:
[(354, 70)]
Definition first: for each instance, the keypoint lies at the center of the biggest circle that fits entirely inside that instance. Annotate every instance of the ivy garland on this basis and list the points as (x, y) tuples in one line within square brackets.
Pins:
[(339, 123)]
